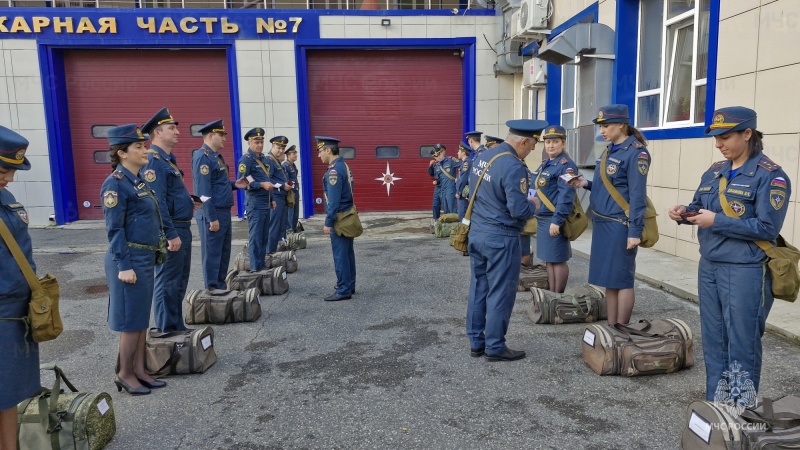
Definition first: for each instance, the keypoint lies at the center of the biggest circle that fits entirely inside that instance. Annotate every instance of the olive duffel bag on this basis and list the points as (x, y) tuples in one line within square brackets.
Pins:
[(584, 304), (532, 277), (267, 281), (286, 258), (179, 352), (219, 306)]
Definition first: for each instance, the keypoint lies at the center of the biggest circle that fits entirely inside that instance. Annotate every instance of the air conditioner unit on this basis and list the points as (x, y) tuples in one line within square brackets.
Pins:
[(534, 72), (533, 15), (512, 25)]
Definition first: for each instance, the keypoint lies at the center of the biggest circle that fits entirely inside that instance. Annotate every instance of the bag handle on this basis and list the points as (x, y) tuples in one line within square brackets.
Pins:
[(581, 313), (468, 214), (30, 276), (770, 418), (611, 189), (726, 207)]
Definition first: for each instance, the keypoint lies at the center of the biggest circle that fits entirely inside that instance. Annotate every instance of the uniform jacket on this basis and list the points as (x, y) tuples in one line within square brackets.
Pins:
[(561, 195), (163, 176), (440, 170), (758, 194), (13, 284), (338, 188), (462, 180), (131, 214), (291, 171), (501, 201), (627, 169), (211, 180), (256, 197), (277, 175)]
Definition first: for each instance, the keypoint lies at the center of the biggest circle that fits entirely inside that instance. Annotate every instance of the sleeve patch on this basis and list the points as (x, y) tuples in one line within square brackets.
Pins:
[(333, 178), (110, 199), (150, 175), (778, 182), (777, 199), (242, 168), (204, 169)]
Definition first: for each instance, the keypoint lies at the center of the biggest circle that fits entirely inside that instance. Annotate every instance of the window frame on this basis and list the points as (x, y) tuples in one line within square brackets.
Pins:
[(377, 147)]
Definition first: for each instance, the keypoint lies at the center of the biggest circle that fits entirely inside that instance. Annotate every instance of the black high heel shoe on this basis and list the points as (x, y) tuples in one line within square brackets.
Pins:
[(155, 384), (132, 391)]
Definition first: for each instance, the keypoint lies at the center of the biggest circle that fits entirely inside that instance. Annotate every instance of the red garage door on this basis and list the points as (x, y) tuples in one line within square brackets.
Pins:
[(386, 105), (116, 87)]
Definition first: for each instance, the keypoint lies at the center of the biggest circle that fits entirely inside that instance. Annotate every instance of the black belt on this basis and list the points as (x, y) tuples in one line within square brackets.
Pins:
[(182, 223)]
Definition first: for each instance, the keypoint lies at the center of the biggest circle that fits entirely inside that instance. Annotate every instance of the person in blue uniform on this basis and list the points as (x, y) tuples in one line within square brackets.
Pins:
[(474, 141), (741, 200), (212, 185), (19, 353), (526, 258), (499, 213), (290, 166), (492, 142), (615, 236), (462, 181), (556, 197), (163, 176), (135, 233), (254, 166), (278, 175), (437, 189), (443, 169), (337, 185)]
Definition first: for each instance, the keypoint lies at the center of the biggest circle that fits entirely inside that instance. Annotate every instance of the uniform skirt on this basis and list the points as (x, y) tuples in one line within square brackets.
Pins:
[(611, 264), (552, 249), (19, 365), (129, 304)]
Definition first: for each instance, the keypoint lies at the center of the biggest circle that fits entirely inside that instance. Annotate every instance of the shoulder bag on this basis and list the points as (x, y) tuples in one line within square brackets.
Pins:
[(347, 223), (575, 223), (650, 232)]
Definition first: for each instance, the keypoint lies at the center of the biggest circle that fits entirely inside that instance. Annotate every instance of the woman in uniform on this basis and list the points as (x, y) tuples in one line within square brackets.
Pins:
[(740, 201), (19, 353), (556, 198), (621, 171), (134, 235)]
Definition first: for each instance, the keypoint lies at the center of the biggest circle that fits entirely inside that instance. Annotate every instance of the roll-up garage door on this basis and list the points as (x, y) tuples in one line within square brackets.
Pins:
[(116, 87), (388, 107)]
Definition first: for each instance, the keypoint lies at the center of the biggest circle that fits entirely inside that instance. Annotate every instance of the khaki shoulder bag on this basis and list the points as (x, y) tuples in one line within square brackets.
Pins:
[(650, 232), (783, 257), (43, 319), (575, 223)]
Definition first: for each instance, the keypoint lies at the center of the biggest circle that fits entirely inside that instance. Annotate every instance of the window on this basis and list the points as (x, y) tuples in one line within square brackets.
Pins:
[(387, 152), (426, 151), (101, 131), (102, 157), (347, 152), (568, 95), (673, 63), (194, 130)]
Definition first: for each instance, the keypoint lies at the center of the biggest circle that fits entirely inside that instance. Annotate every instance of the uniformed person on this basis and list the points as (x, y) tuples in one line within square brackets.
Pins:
[(135, 238), (556, 198), (615, 236), (462, 182), (212, 185), (443, 169), (492, 142), (19, 353), (338, 187), (254, 166), (164, 177), (437, 190), (740, 201), (290, 167), (474, 142), (278, 175), (499, 213)]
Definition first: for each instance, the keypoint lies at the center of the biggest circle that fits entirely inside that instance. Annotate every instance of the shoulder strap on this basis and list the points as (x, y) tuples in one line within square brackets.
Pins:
[(280, 166), (726, 207), (263, 167), (349, 180), (611, 189), (12, 245), (452, 178), (543, 197), (468, 214)]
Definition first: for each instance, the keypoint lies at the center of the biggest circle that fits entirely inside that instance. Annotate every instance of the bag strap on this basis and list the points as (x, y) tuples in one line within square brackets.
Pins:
[(150, 150), (726, 207), (349, 181), (468, 214), (543, 197), (263, 167), (30, 276), (611, 189), (452, 178), (580, 312)]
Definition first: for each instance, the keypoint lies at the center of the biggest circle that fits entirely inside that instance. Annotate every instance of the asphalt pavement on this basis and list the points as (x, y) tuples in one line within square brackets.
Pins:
[(388, 369)]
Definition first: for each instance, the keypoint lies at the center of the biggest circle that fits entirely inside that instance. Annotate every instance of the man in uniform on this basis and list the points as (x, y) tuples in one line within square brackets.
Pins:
[(278, 176), (437, 191), (462, 188), (254, 166), (291, 171), (212, 185), (499, 214), (175, 204), (338, 187), (474, 141), (492, 142), (443, 169)]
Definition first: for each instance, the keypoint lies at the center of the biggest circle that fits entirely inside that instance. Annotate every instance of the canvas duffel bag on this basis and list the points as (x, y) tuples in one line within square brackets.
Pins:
[(65, 420), (444, 229), (296, 241), (268, 282), (586, 304), (179, 352), (532, 277), (449, 218), (644, 348), (220, 306), (721, 425), (286, 259)]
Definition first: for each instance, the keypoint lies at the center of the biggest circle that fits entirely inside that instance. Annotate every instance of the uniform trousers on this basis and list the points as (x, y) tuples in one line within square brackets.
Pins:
[(735, 300), (171, 281), (437, 203), (258, 226), (492, 288), (215, 248), (449, 200), (462, 208), (524, 245), (293, 215), (344, 262), (277, 223)]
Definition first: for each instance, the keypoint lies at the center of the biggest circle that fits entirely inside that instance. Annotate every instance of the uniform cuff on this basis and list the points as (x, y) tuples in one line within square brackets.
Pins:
[(635, 232), (125, 264)]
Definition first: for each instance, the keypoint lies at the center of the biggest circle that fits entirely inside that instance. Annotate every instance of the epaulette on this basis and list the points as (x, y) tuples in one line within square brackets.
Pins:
[(118, 174), (154, 153), (717, 165), (768, 164), (247, 155), (637, 144), (205, 152), (563, 160)]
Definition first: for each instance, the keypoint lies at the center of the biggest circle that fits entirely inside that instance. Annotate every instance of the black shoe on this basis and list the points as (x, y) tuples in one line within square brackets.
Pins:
[(508, 355), (133, 391), (155, 384), (476, 352), (336, 297)]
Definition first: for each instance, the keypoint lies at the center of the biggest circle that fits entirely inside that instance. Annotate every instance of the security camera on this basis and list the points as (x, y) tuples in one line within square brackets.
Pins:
[(454, 10)]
